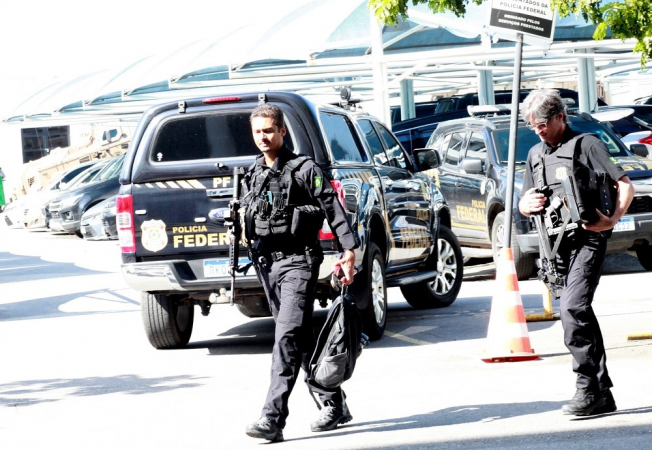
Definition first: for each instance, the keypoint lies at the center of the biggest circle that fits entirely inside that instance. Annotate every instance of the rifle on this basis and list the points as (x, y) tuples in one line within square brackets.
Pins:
[(232, 222), (558, 216)]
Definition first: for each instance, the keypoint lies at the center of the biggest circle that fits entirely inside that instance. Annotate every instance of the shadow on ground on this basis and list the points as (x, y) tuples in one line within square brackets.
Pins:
[(33, 392)]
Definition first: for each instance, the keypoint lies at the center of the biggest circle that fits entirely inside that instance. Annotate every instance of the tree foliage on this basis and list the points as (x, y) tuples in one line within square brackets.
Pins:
[(626, 18)]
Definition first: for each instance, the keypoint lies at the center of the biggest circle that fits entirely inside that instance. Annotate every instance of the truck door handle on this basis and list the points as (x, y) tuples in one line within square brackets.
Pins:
[(388, 182)]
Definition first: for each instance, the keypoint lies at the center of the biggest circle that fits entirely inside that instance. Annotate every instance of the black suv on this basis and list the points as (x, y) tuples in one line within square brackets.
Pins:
[(473, 175), (179, 167)]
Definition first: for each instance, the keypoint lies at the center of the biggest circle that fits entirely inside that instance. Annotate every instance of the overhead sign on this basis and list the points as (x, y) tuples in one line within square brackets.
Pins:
[(531, 17)]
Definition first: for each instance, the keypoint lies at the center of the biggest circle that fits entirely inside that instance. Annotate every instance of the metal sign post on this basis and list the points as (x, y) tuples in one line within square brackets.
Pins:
[(521, 17)]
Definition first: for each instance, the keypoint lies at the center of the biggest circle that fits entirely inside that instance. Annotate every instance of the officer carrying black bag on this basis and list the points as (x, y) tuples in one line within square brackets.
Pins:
[(287, 197)]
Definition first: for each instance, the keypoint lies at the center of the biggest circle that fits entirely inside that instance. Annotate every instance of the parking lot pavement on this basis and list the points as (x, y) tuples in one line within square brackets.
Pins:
[(78, 373)]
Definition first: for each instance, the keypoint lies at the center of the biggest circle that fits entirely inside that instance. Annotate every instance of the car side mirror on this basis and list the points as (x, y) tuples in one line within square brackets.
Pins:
[(639, 149), (426, 158), (471, 165)]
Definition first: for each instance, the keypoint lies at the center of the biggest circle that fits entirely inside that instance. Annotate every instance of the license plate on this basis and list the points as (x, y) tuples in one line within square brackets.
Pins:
[(625, 224), (214, 268)]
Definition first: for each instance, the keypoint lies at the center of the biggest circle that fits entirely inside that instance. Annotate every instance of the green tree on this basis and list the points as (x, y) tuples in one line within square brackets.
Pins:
[(626, 18)]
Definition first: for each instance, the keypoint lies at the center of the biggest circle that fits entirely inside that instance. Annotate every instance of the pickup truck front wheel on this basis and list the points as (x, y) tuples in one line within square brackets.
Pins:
[(167, 320), (370, 292), (443, 290)]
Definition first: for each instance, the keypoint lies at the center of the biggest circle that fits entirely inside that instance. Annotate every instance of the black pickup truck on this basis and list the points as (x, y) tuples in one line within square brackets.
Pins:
[(179, 167)]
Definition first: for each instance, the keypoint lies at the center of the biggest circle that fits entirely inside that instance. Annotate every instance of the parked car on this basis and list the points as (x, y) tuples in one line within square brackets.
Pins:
[(179, 168), (633, 123), (93, 226), (87, 176), (414, 133), (473, 174), (13, 213), (34, 207), (69, 207)]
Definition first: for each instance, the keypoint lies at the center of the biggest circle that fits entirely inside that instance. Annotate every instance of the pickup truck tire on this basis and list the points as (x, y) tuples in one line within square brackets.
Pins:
[(167, 320), (443, 290), (524, 262), (644, 255), (370, 290), (255, 307)]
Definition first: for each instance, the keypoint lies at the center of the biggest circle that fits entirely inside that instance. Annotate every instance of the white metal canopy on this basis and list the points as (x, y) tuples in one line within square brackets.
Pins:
[(320, 47)]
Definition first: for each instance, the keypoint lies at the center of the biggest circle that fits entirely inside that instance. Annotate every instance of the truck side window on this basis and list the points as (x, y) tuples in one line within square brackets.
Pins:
[(375, 146), (477, 147), (453, 153), (342, 138), (394, 150)]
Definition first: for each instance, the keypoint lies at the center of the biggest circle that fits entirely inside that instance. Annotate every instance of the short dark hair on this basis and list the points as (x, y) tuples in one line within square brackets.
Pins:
[(543, 104), (272, 111)]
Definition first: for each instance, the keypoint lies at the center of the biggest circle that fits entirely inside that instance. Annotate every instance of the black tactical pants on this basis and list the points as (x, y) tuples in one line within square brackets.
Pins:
[(580, 258), (290, 287)]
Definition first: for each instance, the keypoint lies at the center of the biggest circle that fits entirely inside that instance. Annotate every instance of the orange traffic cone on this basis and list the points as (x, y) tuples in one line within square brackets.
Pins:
[(507, 335)]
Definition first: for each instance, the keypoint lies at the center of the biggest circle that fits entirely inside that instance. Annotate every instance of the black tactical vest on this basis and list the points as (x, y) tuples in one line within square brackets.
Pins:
[(271, 208), (558, 164), (591, 190)]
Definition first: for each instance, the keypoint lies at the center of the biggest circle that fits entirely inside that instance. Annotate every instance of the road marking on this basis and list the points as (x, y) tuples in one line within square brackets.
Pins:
[(26, 267), (406, 338)]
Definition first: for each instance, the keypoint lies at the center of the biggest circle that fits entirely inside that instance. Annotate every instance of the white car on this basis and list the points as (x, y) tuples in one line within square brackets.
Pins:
[(13, 213), (640, 137)]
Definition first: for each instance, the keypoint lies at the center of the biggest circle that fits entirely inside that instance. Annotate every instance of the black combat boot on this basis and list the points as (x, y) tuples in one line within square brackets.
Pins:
[(585, 402), (265, 428), (610, 403), (331, 416)]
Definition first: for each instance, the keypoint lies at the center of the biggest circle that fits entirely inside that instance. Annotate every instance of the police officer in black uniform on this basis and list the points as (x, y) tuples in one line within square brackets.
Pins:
[(582, 251), (287, 197)]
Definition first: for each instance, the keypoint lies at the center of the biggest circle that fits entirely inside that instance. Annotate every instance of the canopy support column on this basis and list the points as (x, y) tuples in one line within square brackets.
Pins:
[(586, 85), (486, 86), (408, 110)]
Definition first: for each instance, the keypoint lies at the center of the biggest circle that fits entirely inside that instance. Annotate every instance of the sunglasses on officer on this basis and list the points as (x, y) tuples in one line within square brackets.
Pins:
[(541, 124)]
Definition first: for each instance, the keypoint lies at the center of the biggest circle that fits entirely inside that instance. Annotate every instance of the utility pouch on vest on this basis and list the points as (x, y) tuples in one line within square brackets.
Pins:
[(279, 224), (262, 227), (307, 220)]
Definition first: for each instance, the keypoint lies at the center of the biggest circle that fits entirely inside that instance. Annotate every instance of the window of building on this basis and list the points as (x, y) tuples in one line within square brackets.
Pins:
[(37, 142)]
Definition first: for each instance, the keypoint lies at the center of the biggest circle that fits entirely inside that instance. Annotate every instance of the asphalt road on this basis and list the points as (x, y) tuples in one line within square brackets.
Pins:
[(77, 372)]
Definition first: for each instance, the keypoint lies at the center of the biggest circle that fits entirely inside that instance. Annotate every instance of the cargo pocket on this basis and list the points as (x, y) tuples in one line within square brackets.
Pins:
[(293, 297)]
